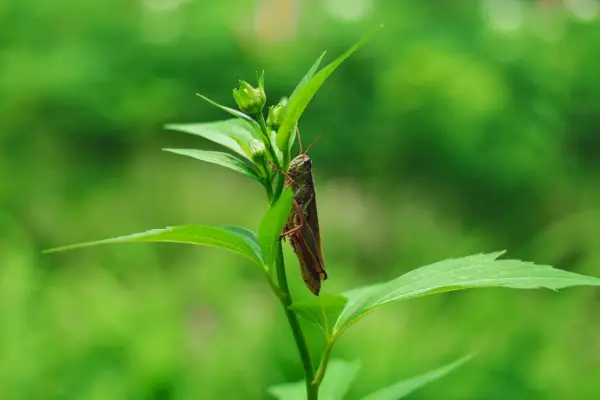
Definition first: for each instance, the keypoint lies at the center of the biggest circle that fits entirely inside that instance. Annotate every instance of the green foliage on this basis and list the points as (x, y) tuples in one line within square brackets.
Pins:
[(231, 111), (304, 93), (405, 387), (234, 239), (476, 271), (272, 225), (333, 313), (289, 391), (234, 134), (223, 159), (340, 375)]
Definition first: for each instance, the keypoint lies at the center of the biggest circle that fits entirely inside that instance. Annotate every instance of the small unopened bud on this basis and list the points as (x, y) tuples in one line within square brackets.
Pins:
[(258, 152), (276, 116), (249, 99)]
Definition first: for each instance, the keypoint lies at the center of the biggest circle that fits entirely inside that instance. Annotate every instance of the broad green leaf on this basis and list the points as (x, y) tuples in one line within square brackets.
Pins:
[(222, 159), (228, 238), (404, 388), (272, 224), (302, 97), (476, 271), (233, 111), (338, 378), (323, 313), (289, 391), (250, 238), (234, 134)]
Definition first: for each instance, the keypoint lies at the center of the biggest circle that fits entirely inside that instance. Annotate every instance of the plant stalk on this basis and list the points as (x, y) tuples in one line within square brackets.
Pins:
[(312, 391), (323, 364), (279, 183), (267, 138)]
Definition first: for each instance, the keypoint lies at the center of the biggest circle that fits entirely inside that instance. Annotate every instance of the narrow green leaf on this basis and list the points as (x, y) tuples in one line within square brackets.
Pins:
[(305, 79), (338, 378), (309, 74), (302, 97), (260, 78), (404, 388), (231, 111), (234, 134), (477, 271), (227, 238), (340, 375), (222, 159), (272, 224)]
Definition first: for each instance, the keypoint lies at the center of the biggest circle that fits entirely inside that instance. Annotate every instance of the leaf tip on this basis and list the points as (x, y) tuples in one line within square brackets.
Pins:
[(59, 249), (499, 253), (204, 98)]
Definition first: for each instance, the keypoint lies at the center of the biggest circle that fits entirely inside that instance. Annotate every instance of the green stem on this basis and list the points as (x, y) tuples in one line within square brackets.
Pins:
[(286, 301), (278, 187), (323, 364), (267, 138), (269, 188)]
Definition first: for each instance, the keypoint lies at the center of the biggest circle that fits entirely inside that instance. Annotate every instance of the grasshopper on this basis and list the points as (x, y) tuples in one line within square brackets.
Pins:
[(302, 226)]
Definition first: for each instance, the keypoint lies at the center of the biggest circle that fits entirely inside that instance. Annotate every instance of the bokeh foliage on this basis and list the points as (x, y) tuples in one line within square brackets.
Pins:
[(466, 127)]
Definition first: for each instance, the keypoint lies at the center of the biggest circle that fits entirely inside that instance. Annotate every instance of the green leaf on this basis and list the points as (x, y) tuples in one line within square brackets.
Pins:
[(289, 391), (222, 159), (405, 387), (234, 134), (308, 74), (260, 78), (249, 237), (476, 271), (340, 375), (323, 313), (233, 111), (302, 97), (305, 79), (234, 239), (272, 224)]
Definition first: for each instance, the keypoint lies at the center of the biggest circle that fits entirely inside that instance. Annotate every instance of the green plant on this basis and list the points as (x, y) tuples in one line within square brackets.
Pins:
[(256, 143)]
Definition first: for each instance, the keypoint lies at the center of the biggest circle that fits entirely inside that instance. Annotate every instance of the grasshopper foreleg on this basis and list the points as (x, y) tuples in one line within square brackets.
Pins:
[(300, 214)]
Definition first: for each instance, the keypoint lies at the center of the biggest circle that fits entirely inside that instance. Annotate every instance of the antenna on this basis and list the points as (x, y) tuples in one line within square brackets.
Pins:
[(299, 139), (310, 145), (313, 142)]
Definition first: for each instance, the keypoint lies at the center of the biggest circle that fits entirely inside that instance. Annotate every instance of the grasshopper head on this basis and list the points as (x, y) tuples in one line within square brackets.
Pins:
[(300, 168), (300, 164)]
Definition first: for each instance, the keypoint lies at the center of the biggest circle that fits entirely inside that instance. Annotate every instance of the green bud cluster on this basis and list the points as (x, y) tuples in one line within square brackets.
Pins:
[(276, 115), (249, 99)]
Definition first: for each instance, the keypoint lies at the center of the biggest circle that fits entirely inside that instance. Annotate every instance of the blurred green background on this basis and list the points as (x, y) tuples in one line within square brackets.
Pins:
[(462, 127)]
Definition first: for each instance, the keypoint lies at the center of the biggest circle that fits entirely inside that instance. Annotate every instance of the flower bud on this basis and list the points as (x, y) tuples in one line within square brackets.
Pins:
[(258, 152), (250, 100), (276, 116)]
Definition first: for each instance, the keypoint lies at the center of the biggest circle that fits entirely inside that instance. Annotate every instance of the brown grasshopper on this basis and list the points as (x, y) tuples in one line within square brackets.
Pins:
[(302, 226)]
